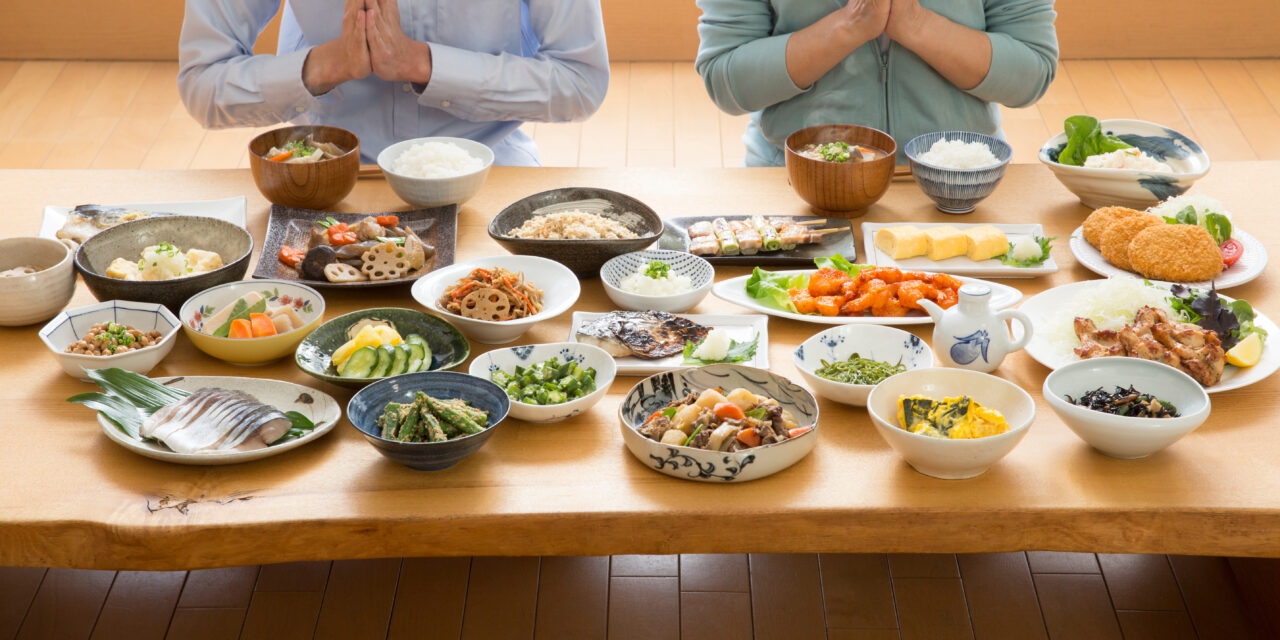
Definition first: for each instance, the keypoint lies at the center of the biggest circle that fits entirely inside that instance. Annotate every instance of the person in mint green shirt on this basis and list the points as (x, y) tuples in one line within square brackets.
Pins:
[(905, 67)]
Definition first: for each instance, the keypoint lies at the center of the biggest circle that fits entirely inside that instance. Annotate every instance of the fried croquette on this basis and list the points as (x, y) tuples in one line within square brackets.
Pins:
[(1175, 252), (1098, 221), (1115, 240)]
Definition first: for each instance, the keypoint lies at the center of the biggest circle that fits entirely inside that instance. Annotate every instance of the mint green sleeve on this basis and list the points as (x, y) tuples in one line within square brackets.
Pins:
[(1024, 52), (742, 62)]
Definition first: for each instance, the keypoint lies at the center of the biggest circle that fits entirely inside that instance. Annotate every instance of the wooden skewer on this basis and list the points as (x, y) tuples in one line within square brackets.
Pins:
[(810, 223), (823, 232)]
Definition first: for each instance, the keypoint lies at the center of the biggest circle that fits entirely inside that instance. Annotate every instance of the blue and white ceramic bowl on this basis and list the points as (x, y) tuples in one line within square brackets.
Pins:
[(653, 393), (367, 404), (872, 341), (71, 325), (699, 272), (957, 190), (1131, 187), (527, 355)]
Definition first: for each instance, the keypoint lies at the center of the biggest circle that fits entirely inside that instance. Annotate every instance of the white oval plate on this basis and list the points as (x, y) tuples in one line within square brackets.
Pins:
[(735, 290), (1057, 301), (1249, 266), (322, 409)]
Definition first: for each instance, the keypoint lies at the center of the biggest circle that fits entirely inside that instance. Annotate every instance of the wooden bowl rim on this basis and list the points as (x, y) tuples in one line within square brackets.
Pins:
[(888, 153), (355, 149)]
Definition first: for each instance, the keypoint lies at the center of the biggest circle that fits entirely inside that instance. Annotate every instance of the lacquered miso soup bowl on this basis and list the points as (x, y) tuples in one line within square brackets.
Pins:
[(305, 185), (843, 189)]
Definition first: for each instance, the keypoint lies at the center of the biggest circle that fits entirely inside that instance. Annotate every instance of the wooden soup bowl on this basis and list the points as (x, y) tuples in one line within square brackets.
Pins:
[(843, 189), (309, 185)]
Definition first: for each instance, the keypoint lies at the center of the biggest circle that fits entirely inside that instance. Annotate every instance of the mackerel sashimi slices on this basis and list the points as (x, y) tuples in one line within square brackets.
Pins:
[(212, 420)]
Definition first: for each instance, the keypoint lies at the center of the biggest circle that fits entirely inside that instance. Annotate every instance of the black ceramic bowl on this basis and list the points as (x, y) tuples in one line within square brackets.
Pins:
[(583, 257), (367, 404), (127, 240), (448, 346)]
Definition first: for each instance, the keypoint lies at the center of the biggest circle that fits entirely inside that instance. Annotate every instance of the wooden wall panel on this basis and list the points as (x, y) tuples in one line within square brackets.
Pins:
[(666, 29)]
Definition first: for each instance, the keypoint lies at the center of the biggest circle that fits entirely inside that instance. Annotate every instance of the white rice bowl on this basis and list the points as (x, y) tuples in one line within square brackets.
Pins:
[(434, 159), (958, 154)]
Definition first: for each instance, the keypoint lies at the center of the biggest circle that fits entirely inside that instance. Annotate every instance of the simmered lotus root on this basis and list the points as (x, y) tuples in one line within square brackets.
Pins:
[(1098, 221), (386, 261), (342, 272), (486, 304)]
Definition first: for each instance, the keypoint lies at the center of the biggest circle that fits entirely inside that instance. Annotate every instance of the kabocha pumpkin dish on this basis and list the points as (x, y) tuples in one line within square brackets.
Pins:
[(955, 418)]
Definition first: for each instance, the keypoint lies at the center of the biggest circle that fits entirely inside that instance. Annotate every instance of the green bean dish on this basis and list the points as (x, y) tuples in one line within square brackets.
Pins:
[(549, 382), (859, 370), (429, 419)]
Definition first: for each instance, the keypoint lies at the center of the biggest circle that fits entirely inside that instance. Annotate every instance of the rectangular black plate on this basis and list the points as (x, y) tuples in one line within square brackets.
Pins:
[(676, 238), (288, 227)]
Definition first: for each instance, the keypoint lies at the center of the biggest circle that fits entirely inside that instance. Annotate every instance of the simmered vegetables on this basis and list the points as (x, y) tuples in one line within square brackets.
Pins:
[(429, 419), (548, 382), (717, 421)]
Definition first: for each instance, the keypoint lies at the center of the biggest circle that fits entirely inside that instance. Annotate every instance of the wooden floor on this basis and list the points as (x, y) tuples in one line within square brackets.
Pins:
[(126, 115)]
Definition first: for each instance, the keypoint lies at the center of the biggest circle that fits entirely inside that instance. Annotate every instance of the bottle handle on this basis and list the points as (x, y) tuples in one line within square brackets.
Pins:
[(1023, 319)]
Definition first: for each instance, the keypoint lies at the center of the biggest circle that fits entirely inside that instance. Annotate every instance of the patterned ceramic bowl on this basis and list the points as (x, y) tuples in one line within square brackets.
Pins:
[(653, 393), (530, 354), (871, 341), (436, 192), (71, 325), (941, 457), (700, 273), (367, 404), (1131, 187), (583, 256), (957, 190), (306, 302), (448, 347)]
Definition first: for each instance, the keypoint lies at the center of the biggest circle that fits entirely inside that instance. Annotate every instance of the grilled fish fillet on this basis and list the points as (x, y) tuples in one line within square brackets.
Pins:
[(212, 420), (88, 219), (644, 334)]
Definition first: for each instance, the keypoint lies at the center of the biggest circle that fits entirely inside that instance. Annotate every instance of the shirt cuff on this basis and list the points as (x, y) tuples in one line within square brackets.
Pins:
[(1007, 77), (456, 76), (281, 84)]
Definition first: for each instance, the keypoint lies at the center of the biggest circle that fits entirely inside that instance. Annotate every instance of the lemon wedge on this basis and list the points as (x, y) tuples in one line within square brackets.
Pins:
[(1247, 352)]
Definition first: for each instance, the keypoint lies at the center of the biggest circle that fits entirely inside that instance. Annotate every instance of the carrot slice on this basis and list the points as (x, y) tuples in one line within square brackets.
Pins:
[(729, 411), (282, 157), (240, 328), (749, 437), (388, 221), (261, 325), (798, 431)]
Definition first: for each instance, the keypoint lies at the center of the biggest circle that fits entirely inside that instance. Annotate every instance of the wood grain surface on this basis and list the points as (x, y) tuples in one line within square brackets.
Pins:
[(72, 498)]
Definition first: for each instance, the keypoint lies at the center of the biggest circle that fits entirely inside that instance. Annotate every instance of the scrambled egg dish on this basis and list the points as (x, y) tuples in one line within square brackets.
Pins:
[(953, 418)]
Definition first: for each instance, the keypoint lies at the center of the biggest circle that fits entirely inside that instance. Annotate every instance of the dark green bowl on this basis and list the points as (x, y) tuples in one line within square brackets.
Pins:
[(448, 347)]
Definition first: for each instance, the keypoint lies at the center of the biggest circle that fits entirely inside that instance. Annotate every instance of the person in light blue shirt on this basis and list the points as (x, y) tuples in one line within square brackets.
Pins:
[(390, 70)]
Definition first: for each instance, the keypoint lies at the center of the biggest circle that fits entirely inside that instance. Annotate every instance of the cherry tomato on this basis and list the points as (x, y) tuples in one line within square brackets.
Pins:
[(1231, 251), (292, 256)]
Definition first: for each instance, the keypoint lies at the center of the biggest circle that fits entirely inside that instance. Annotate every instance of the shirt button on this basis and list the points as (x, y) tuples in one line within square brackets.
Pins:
[(406, 87), (299, 109), (446, 104)]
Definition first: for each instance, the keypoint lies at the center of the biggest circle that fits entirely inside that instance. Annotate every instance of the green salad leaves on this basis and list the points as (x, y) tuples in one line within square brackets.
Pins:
[(1218, 225), (738, 352), (1045, 244), (1085, 138)]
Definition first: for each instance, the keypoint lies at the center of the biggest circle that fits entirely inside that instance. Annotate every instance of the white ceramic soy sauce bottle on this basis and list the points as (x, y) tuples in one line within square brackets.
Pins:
[(970, 335)]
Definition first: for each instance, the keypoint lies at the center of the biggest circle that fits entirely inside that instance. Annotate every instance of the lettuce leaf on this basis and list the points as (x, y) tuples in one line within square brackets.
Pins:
[(1085, 138), (839, 263), (771, 288)]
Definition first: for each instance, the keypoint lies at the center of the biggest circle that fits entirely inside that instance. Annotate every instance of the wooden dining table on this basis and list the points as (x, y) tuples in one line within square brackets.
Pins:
[(70, 497)]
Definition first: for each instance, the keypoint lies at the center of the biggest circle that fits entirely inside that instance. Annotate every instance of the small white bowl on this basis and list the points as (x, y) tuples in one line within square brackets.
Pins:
[(1131, 187), (700, 273), (559, 286), (584, 354), (872, 341), (70, 325), (436, 192), (1124, 436), (39, 296), (941, 457)]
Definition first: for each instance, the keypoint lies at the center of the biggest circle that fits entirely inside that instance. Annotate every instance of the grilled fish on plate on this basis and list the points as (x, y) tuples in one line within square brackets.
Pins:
[(88, 219), (644, 334)]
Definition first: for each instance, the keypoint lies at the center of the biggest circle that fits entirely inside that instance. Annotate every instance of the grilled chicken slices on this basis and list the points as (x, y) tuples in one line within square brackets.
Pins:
[(1153, 336), (643, 334), (213, 420)]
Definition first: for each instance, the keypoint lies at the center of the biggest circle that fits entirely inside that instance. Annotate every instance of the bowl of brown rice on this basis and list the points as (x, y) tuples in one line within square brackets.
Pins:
[(579, 227)]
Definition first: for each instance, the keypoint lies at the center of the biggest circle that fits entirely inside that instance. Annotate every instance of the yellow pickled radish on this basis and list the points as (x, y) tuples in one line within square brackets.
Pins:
[(386, 335), (1247, 352), (367, 337)]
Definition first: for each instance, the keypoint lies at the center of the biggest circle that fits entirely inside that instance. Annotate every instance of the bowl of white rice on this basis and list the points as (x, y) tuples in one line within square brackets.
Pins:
[(957, 169), (438, 171), (1163, 163)]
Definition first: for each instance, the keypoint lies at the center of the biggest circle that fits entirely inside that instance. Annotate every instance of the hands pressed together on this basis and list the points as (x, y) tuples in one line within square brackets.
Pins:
[(371, 42), (867, 19)]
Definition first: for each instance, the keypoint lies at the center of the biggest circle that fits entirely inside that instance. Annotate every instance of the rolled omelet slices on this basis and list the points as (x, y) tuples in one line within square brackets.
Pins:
[(985, 242), (945, 242), (902, 242)]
